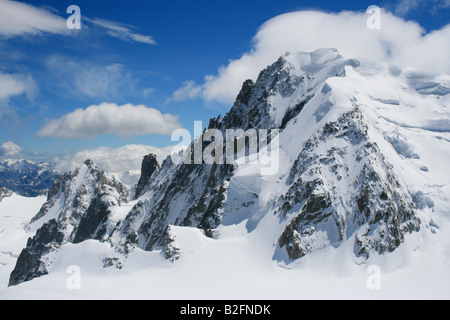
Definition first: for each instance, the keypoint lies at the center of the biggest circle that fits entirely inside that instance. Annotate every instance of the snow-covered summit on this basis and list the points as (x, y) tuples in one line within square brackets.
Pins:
[(77, 208)]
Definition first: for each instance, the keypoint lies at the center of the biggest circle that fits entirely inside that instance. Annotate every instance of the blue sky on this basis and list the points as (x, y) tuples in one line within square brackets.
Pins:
[(148, 58)]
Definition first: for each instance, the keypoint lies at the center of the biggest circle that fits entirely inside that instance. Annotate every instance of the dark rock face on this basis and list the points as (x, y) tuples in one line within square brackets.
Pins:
[(29, 264), (112, 262), (293, 112), (91, 224), (27, 178), (149, 166), (4, 193), (200, 190), (170, 251), (245, 93)]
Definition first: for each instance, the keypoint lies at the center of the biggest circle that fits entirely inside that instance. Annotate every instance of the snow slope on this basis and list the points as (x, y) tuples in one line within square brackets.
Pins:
[(15, 214), (236, 267)]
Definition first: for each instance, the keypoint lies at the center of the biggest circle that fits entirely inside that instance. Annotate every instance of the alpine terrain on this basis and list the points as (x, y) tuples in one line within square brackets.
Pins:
[(359, 176), (27, 178)]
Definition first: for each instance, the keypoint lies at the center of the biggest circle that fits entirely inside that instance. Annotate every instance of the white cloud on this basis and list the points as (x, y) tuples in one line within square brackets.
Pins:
[(399, 42), (98, 81), (124, 162), (15, 85), (10, 149), (18, 18), (148, 91), (11, 86), (108, 118), (189, 90), (405, 7), (121, 31)]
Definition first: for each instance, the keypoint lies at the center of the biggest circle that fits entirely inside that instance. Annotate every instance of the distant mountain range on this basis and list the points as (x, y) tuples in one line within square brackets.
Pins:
[(27, 178)]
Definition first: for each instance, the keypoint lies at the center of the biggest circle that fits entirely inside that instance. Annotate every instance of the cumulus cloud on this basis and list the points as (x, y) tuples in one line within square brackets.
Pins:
[(10, 149), (121, 31), (18, 18), (15, 85), (124, 162), (399, 42), (108, 118)]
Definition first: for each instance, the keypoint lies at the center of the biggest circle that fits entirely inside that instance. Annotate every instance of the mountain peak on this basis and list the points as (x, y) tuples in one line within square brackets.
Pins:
[(89, 163), (244, 95), (283, 88), (149, 166)]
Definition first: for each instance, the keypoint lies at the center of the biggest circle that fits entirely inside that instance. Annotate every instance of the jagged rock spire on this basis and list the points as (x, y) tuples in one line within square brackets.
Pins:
[(149, 166)]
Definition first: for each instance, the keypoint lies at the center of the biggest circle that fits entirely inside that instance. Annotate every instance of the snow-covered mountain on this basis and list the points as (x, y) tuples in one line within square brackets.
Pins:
[(362, 167), (26, 177), (78, 208)]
